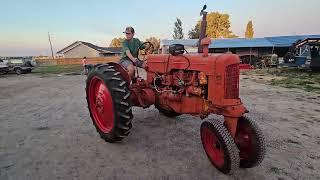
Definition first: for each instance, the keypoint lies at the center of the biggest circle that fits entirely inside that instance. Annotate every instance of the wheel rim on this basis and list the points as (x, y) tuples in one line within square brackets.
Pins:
[(101, 104), (212, 146), (244, 141)]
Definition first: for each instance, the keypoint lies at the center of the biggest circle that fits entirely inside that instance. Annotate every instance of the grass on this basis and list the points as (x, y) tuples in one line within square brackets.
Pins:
[(292, 78), (58, 69)]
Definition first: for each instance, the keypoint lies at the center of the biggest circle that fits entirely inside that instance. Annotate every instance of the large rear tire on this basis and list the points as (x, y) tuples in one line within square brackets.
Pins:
[(251, 143), (108, 103), (219, 146)]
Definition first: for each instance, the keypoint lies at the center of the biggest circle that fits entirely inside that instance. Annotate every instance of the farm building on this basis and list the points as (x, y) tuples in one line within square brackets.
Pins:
[(82, 49), (245, 48)]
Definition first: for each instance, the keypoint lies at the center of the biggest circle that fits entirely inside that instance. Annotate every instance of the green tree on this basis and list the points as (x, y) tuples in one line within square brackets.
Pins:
[(218, 26), (249, 31), (178, 31), (116, 42), (195, 32), (155, 41)]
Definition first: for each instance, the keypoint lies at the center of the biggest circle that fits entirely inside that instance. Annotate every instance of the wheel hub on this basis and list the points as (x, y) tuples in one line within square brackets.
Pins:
[(213, 147), (101, 104), (244, 142)]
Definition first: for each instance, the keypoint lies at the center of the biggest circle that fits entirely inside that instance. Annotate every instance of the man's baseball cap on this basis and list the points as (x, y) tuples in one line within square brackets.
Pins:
[(129, 30)]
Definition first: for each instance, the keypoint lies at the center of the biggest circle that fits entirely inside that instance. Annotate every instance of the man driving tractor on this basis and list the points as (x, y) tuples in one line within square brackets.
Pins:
[(130, 47), (198, 84)]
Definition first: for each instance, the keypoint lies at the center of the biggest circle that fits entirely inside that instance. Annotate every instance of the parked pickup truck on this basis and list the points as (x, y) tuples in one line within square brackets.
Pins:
[(19, 66)]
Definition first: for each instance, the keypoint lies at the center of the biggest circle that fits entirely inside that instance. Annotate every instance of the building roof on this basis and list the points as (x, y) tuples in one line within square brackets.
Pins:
[(287, 41), (112, 50), (240, 43), (276, 41), (185, 42)]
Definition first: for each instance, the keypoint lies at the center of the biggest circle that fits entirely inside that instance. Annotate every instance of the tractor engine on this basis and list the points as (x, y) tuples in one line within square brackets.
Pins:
[(197, 84)]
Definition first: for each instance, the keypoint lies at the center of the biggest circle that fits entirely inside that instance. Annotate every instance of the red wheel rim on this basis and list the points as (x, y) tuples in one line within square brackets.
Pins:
[(101, 105), (212, 147), (243, 140)]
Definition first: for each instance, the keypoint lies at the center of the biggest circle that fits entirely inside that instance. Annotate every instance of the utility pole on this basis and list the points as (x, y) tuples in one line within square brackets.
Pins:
[(50, 45)]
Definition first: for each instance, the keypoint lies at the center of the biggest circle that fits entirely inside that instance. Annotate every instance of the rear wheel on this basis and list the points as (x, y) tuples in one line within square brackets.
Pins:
[(108, 103), (18, 71), (219, 146), (251, 143)]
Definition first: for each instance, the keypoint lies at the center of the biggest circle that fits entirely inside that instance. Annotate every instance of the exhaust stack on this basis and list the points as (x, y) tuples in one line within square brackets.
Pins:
[(203, 28)]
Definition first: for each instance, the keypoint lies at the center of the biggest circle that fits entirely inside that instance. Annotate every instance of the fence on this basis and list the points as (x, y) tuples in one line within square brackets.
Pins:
[(75, 61)]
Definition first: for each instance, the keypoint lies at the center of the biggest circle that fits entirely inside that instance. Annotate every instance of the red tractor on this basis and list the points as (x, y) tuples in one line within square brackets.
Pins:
[(177, 83)]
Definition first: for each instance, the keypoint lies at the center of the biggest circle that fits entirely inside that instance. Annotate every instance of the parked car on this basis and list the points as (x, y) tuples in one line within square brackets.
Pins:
[(19, 65)]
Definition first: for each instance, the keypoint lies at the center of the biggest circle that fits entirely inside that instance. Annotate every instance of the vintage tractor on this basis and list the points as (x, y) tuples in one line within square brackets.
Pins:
[(177, 83)]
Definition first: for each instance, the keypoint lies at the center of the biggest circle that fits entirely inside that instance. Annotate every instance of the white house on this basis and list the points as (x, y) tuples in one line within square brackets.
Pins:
[(82, 49)]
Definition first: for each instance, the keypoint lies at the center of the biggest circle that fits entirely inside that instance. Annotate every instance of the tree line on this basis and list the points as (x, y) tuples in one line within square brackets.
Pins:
[(218, 26)]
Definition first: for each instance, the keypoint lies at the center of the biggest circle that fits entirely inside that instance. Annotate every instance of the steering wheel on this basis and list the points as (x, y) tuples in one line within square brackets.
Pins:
[(144, 50)]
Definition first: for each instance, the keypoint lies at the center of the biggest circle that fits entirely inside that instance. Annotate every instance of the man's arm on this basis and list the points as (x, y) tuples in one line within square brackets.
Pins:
[(126, 49), (128, 53)]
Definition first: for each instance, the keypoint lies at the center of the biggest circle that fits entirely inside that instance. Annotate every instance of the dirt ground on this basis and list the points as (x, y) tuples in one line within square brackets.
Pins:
[(46, 133)]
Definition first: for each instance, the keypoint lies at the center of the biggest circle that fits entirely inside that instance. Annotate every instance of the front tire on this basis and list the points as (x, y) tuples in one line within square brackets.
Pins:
[(251, 143), (108, 103), (3, 72), (219, 146)]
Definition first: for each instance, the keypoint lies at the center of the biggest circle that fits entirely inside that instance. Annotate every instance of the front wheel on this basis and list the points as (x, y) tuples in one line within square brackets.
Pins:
[(219, 146), (108, 103), (4, 72), (251, 143), (18, 71)]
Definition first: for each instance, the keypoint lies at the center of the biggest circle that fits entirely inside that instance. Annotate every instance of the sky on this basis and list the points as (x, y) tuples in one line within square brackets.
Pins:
[(24, 24)]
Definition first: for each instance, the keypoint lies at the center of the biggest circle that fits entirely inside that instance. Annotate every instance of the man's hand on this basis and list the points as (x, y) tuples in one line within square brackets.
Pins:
[(134, 60)]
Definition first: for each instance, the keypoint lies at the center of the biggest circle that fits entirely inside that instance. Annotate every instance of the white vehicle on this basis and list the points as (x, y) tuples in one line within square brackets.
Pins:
[(18, 65)]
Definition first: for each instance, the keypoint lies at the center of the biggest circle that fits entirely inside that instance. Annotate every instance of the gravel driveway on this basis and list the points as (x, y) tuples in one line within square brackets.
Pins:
[(46, 133)]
